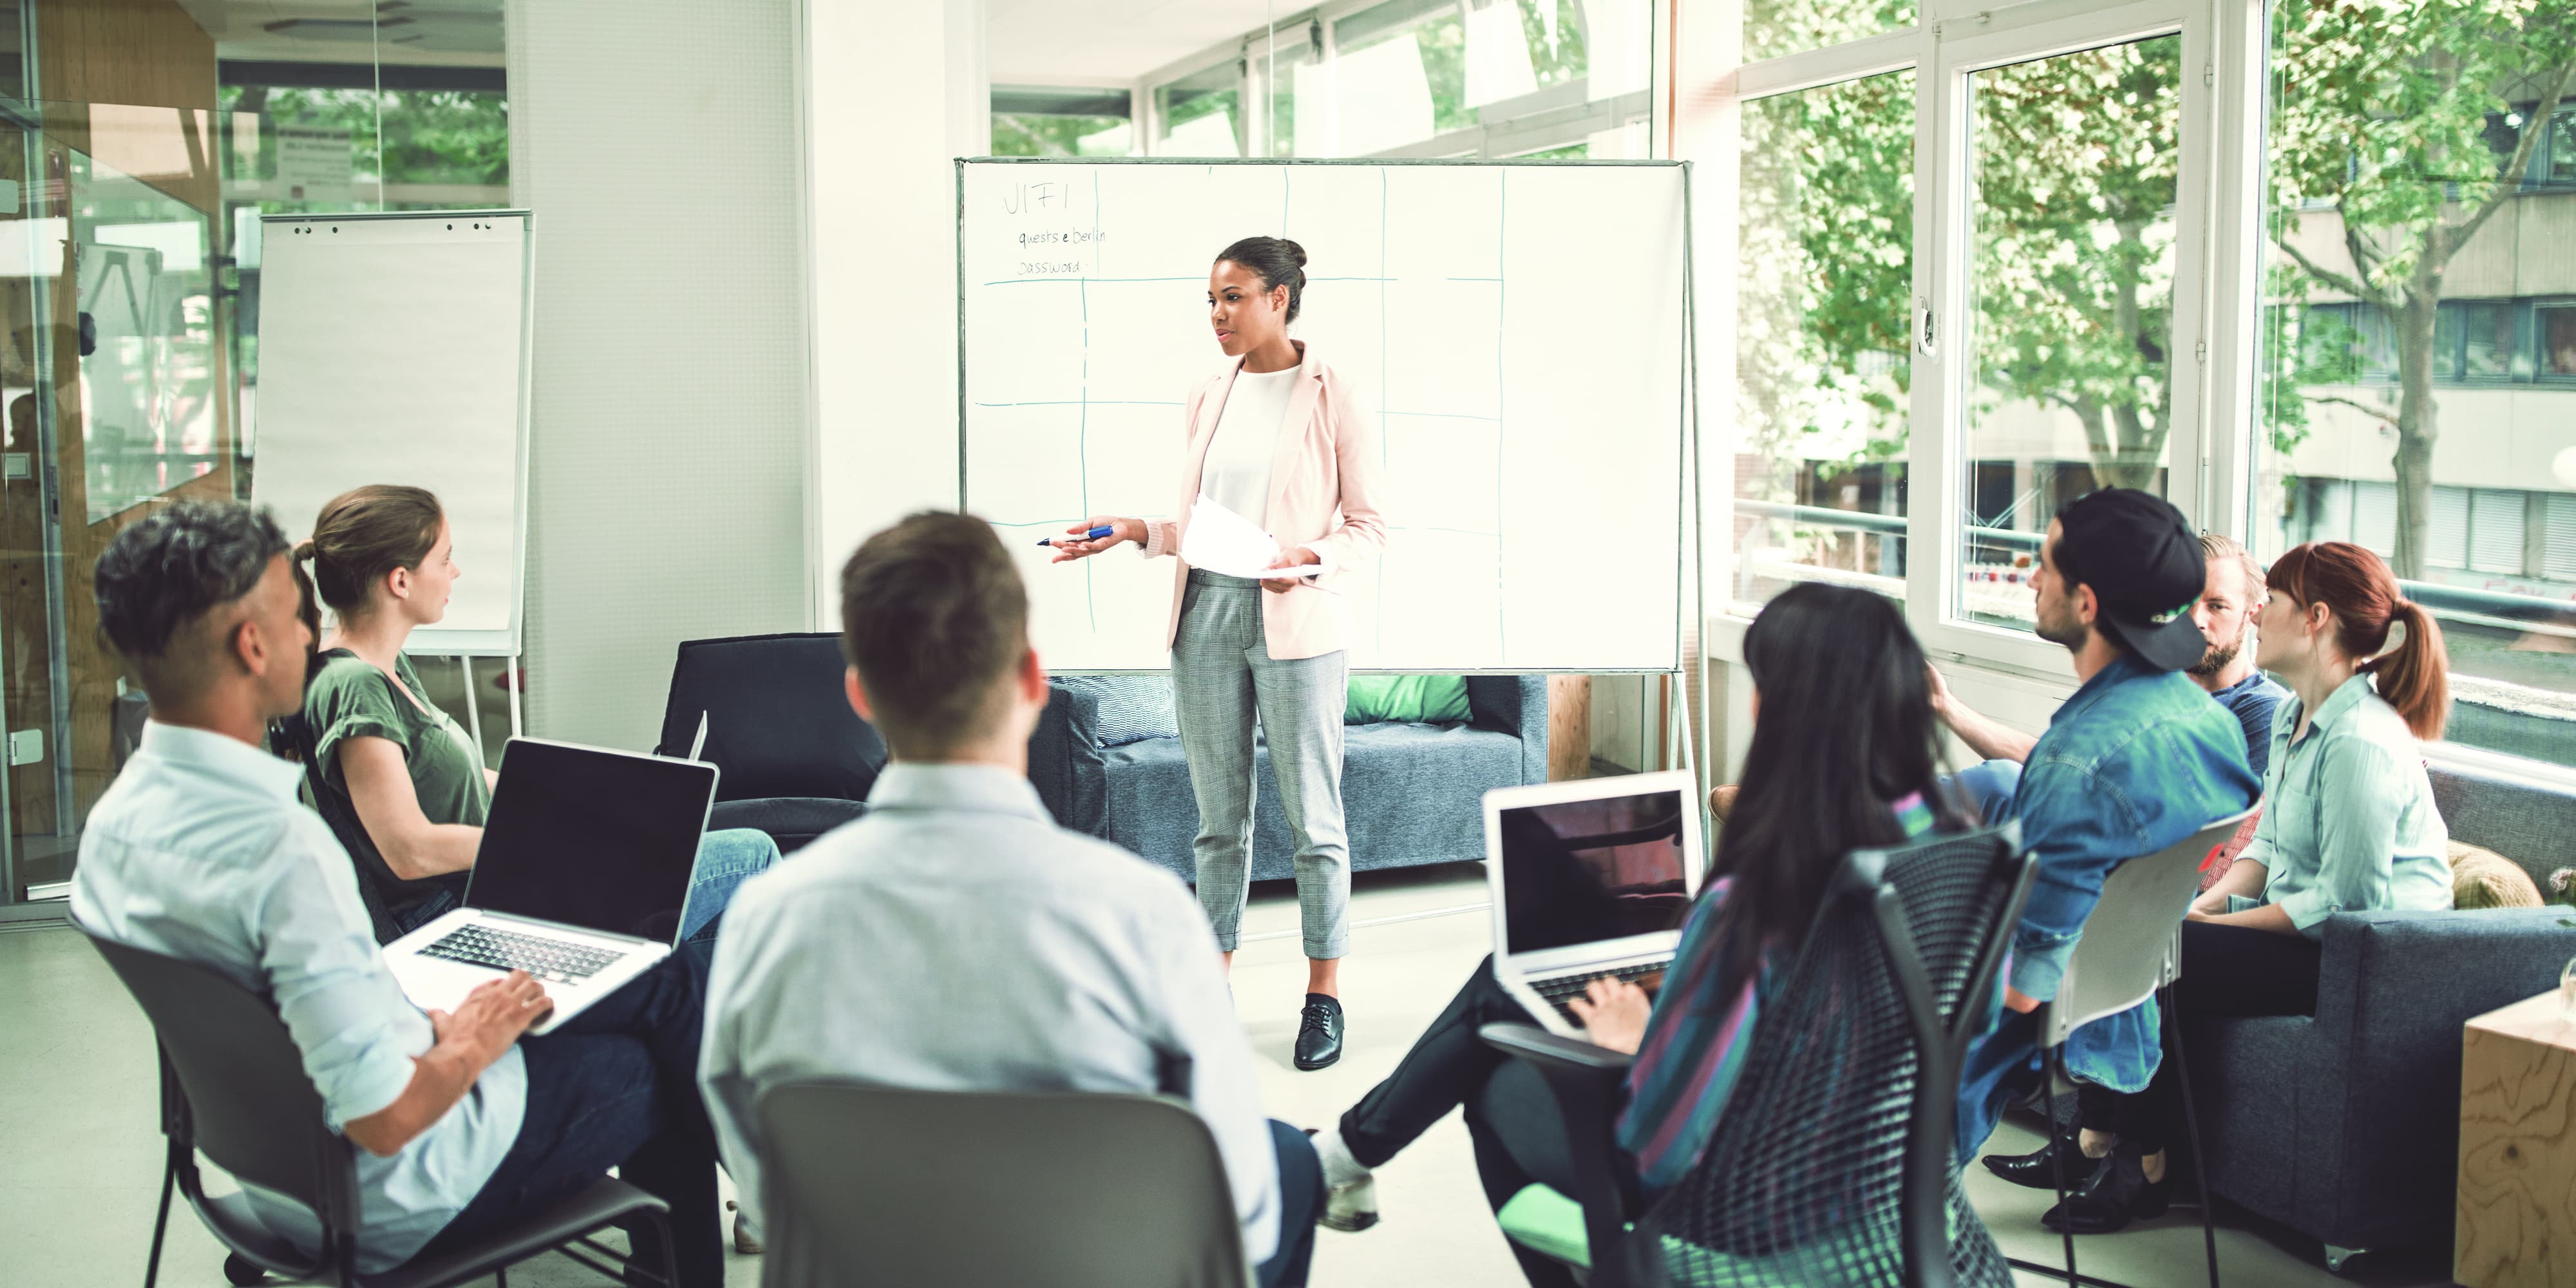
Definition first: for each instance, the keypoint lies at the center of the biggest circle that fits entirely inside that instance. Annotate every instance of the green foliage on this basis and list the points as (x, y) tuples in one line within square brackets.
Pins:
[(1773, 28), (429, 136)]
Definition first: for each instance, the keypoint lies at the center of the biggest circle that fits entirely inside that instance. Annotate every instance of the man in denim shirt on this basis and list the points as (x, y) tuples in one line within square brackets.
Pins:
[(2137, 759)]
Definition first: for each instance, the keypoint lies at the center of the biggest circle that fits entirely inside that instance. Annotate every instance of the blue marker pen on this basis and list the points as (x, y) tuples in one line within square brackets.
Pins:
[(1094, 535)]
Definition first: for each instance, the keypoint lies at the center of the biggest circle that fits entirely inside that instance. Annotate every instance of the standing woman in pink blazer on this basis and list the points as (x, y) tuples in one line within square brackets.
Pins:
[(1280, 439)]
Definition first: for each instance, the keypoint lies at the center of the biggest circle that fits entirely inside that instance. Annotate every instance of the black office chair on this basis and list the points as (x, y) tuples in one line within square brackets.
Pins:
[(1833, 1163), (388, 898), (233, 1085), (796, 761)]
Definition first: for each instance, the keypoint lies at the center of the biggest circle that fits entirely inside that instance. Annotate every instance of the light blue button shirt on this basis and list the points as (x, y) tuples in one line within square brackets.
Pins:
[(2349, 823), (956, 939), (201, 851)]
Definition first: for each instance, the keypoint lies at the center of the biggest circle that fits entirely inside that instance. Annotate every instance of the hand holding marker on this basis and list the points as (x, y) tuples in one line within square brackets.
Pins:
[(1094, 535)]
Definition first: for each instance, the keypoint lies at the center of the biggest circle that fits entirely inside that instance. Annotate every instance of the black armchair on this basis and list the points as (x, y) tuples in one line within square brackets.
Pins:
[(796, 761)]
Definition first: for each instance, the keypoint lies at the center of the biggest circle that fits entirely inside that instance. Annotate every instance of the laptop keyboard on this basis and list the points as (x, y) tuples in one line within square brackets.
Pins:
[(555, 961), (1559, 988)]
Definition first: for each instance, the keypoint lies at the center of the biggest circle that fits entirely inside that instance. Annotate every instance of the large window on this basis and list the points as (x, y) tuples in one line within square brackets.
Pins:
[(1049, 122), (2420, 336), (1563, 79)]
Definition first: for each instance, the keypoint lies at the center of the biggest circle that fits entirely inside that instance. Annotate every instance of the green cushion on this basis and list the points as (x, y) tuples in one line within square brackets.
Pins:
[(1548, 1223), (1426, 699)]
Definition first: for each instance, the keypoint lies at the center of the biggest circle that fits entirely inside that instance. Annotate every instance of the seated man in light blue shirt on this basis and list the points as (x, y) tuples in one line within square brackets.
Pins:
[(200, 851), (956, 938)]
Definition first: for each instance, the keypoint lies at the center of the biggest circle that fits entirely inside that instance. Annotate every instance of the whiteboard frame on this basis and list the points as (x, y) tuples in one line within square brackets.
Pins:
[(1687, 393), (434, 641)]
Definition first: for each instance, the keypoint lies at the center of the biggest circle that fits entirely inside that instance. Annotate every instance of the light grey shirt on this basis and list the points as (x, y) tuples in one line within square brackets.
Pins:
[(2349, 823), (957, 939), (201, 851)]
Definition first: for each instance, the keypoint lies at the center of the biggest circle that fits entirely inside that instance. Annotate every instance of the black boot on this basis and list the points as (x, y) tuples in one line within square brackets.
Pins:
[(2117, 1193), (1319, 1031), (2035, 1169)]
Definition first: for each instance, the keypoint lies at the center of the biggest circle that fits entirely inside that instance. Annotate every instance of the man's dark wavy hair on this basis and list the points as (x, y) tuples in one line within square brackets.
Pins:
[(173, 568)]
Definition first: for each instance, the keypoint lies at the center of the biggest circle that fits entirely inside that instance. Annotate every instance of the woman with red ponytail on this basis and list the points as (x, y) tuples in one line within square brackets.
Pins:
[(2348, 819)]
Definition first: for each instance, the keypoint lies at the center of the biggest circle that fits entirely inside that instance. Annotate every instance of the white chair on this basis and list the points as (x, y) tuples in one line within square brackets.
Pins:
[(2130, 950)]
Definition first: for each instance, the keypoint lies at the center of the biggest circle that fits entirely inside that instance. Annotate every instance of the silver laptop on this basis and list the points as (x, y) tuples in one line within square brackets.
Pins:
[(1591, 879), (581, 879)]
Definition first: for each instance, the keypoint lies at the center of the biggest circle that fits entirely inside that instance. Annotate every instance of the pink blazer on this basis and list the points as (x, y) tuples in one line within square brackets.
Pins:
[(1323, 495)]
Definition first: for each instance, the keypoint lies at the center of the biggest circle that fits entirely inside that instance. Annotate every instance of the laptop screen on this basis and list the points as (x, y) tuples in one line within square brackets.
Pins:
[(1578, 872), (598, 839)]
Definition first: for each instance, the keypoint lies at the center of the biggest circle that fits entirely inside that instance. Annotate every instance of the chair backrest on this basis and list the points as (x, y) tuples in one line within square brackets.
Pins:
[(878, 1185), (245, 1100), (778, 720), (1833, 1159), (2129, 945)]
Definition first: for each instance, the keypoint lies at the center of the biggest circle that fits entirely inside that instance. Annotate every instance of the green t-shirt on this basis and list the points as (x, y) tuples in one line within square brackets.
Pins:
[(350, 698)]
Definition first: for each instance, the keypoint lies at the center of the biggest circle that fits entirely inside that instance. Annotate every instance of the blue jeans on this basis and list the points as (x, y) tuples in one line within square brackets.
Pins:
[(726, 859), (1301, 1200), (616, 1086)]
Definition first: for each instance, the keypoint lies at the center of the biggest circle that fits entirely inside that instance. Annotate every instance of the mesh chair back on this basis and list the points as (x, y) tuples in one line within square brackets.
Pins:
[(877, 1185), (778, 722), (1832, 1163), (2130, 944), (246, 1102)]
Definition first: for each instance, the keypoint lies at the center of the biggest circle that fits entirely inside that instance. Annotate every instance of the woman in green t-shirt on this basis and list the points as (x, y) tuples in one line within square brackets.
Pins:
[(383, 559)]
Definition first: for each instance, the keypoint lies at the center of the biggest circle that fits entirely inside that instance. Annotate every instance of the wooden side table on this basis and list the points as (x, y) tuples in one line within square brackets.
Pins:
[(2517, 1195)]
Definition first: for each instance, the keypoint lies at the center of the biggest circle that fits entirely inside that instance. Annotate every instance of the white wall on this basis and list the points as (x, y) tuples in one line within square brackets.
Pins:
[(659, 144), (898, 92)]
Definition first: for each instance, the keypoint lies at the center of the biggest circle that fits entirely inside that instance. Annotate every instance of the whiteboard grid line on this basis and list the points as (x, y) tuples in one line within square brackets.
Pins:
[(1502, 252)]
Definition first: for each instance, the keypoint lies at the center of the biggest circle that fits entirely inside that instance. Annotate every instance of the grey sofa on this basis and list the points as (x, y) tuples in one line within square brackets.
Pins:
[(2345, 1126), (1411, 793)]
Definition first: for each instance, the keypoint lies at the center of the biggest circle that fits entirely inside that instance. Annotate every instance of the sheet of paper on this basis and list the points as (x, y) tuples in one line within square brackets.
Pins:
[(1222, 541)]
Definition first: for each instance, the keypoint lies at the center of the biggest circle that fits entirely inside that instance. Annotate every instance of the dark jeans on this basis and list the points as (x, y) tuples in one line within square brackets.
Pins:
[(2226, 970), (1301, 1200), (617, 1086), (1511, 1116)]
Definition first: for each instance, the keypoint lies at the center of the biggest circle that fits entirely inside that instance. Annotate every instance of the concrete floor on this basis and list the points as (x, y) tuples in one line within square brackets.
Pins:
[(80, 1155)]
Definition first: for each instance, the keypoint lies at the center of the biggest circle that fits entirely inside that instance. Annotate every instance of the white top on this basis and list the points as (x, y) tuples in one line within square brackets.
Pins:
[(1236, 474), (956, 939), (200, 851)]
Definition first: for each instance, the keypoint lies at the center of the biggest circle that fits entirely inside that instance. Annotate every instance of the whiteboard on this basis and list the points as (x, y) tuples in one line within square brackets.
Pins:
[(393, 349), (1515, 329)]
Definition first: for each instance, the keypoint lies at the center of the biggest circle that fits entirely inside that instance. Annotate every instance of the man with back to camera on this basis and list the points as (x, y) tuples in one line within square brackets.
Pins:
[(2136, 759), (955, 938), (201, 851)]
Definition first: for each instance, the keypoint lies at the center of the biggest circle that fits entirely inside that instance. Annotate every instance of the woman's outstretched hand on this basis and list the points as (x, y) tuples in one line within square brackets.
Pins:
[(1293, 557), (1614, 1014), (1082, 546)]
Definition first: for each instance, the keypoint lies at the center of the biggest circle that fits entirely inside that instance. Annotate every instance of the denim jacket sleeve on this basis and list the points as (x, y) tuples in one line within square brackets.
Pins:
[(2080, 826)]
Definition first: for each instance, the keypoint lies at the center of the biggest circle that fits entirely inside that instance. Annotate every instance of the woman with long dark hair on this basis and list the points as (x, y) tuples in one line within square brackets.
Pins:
[(2349, 825), (1849, 763), (1279, 439)]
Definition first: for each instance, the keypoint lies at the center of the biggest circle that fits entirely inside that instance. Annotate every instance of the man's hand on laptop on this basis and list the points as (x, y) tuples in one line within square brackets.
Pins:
[(493, 1015), (1614, 1014), (467, 1042)]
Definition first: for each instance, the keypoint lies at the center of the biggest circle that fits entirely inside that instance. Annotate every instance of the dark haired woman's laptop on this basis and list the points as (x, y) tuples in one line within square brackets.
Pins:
[(580, 879), (1592, 879)]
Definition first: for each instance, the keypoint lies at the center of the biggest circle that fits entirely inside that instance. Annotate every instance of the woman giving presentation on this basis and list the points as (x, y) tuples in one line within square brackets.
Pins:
[(1280, 439)]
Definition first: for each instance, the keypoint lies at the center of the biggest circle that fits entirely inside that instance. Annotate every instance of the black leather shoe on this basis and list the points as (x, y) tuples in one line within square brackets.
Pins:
[(2036, 1170), (1319, 1032), (2117, 1193)]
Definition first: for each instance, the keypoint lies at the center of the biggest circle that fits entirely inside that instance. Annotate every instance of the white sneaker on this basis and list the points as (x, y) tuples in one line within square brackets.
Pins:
[(1351, 1208)]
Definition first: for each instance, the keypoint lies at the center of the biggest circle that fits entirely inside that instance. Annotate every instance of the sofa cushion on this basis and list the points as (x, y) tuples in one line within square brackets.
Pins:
[(2482, 878), (1421, 699), (1132, 708), (2525, 822), (1411, 793)]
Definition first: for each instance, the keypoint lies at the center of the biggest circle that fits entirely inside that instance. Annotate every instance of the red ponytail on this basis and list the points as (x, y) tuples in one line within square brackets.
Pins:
[(2414, 677)]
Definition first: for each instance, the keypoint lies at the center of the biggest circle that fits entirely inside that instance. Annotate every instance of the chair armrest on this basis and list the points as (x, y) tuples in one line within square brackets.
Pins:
[(2394, 989), (1586, 1081), (1065, 762), (1516, 705)]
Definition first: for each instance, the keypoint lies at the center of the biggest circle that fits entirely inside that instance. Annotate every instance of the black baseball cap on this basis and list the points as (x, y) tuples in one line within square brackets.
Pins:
[(2145, 567)]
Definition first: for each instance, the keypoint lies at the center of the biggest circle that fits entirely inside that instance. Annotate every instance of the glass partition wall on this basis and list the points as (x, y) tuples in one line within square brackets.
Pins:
[(129, 276)]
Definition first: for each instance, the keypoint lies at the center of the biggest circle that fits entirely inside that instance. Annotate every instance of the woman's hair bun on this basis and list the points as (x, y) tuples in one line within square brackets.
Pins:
[(1299, 252)]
